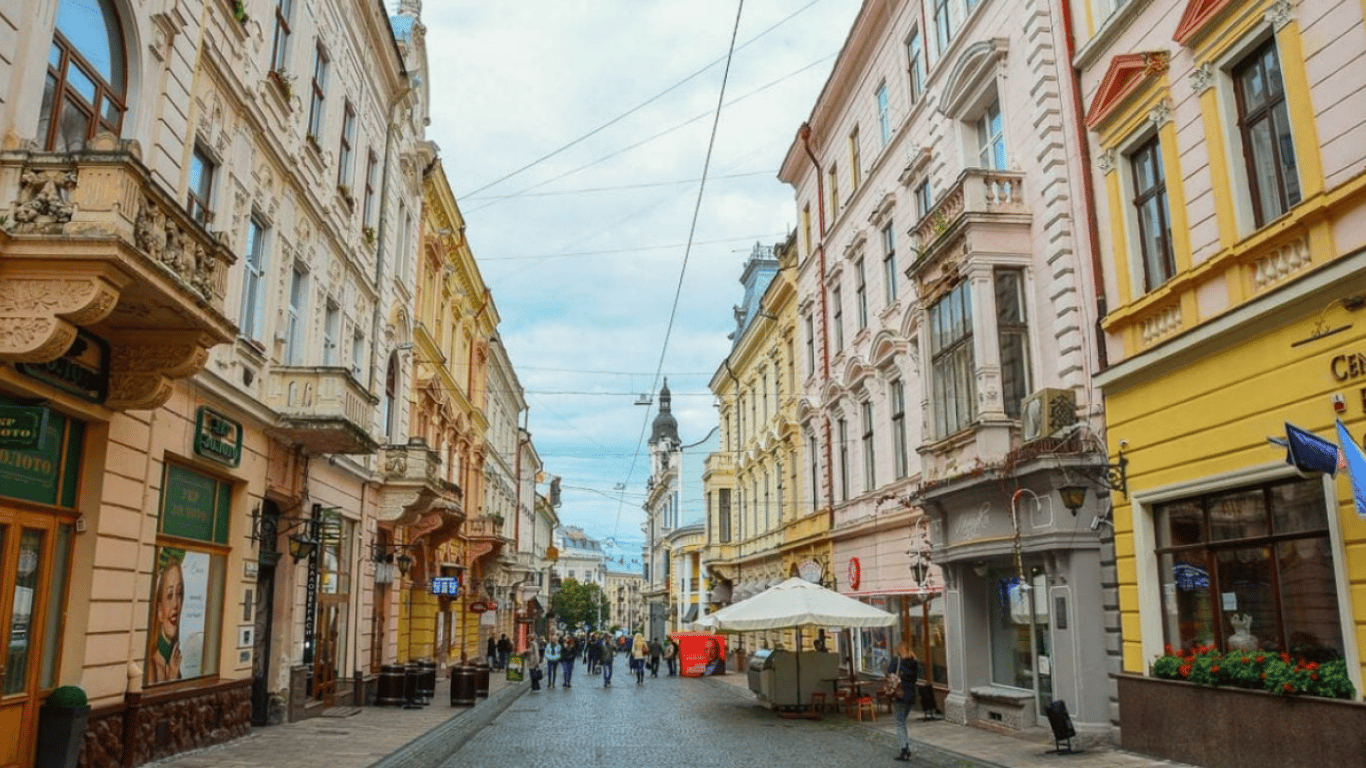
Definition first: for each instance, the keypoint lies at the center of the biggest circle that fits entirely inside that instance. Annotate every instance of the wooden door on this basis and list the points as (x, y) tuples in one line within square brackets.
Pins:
[(34, 551), (328, 641)]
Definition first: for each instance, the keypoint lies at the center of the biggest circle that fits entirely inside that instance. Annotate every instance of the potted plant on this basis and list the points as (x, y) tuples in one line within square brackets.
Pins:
[(61, 727)]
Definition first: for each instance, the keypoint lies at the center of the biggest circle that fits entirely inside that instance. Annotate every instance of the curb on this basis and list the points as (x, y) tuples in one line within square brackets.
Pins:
[(434, 747)]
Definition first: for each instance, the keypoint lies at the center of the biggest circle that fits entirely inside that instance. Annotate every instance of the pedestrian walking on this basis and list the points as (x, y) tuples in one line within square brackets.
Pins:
[(640, 651), (568, 655), (552, 660), (671, 655), (491, 651), (655, 652), (904, 669), (606, 656), (594, 653), (504, 650), (532, 656)]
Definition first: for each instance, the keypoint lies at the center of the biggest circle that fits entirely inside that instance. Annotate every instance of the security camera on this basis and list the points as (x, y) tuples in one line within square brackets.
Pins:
[(1123, 444), (1095, 523)]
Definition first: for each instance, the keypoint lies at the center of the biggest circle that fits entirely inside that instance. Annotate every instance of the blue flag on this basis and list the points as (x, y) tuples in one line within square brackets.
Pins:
[(1310, 453), (1356, 467)]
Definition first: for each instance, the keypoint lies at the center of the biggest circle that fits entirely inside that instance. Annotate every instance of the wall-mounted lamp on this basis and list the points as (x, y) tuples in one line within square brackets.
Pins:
[(393, 554), (265, 528), (1110, 477), (1073, 497)]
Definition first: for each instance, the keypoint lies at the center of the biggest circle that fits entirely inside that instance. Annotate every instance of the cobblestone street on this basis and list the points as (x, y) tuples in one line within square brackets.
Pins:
[(670, 721)]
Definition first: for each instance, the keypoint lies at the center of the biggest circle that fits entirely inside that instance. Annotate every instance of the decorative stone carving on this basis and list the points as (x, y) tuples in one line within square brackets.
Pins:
[(1105, 160), (1202, 78), (39, 315), (1280, 13), (1161, 113), (162, 238), (44, 205)]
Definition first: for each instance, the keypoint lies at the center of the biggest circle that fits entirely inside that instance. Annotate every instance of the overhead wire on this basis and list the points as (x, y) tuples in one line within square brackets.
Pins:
[(692, 230)]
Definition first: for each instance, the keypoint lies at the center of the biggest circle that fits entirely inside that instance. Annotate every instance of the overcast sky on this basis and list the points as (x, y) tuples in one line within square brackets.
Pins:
[(611, 104)]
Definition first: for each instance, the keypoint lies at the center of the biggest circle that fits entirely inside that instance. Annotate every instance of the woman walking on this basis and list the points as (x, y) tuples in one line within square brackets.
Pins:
[(605, 657), (568, 654), (905, 668), (532, 655), (640, 650), (552, 660)]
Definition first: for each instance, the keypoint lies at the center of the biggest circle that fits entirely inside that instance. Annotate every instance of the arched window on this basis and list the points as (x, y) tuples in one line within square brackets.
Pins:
[(87, 76), (390, 398)]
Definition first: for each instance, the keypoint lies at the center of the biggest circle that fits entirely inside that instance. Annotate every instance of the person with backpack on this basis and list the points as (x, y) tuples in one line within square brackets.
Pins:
[(552, 660), (902, 674)]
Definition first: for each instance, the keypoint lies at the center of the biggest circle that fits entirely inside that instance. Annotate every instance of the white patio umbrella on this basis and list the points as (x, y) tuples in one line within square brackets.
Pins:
[(798, 603)]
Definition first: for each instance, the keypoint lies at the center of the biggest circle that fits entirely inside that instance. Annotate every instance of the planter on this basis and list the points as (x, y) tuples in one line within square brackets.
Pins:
[(60, 733), (1232, 727)]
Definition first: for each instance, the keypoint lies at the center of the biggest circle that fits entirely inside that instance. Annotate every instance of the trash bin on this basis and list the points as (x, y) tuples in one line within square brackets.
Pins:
[(463, 682), (390, 691), (411, 697), (481, 672), (426, 679)]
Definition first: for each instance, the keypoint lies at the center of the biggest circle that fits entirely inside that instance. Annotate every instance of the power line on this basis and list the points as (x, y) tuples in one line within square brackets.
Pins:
[(636, 249), (587, 190), (643, 104)]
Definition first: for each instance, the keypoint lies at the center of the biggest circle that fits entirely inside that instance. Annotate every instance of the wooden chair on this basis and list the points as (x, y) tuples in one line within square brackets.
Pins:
[(818, 703), (865, 704)]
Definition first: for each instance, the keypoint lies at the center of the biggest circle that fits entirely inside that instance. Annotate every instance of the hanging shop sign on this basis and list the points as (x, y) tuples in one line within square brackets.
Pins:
[(855, 573), (810, 570), (83, 371), (478, 607), (21, 426), (217, 437)]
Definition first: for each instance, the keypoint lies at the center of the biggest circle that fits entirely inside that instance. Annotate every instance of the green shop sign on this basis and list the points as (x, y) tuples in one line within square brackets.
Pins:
[(21, 426), (83, 370), (217, 437), (195, 506)]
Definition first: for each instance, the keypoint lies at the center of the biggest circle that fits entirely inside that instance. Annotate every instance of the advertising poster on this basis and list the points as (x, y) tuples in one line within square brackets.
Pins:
[(701, 654), (179, 606)]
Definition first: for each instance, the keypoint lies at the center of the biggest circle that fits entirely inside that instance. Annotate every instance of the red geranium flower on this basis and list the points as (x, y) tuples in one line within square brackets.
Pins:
[(1313, 665), (1247, 659), (1288, 687), (1214, 668), (1185, 670), (1285, 657)]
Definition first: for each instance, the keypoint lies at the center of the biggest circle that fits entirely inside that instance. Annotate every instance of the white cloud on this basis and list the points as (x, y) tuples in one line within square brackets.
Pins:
[(512, 82)]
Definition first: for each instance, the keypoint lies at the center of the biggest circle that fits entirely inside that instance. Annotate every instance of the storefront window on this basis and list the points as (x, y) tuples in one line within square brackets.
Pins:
[(187, 583), (1259, 553), (876, 643), (1019, 630)]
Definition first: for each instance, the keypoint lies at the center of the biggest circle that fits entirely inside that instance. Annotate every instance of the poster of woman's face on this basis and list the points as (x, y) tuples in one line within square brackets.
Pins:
[(179, 597)]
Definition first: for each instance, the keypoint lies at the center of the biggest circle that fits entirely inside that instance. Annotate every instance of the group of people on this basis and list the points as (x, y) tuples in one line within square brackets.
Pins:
[(498, 652), (560, 653)]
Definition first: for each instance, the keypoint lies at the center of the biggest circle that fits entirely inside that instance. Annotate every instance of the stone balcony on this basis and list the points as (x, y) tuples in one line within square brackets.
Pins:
[(412, 485), (984, 207), (485, 536), (324, 409), (90, 244)]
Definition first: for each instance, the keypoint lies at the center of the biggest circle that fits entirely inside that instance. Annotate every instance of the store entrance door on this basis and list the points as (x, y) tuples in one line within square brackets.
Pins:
[(35, 551)]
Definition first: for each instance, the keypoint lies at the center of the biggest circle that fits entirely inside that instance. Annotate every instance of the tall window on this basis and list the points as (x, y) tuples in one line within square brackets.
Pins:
[(924, 199), (253, 278), (357, 351), (346, 146), (889, 263), (813, 451), (869, 459), (298, 295), (884, 117), (1154, 227), (839, 318), (202, 169), (855, 162), (85, 87), (844, 459), (723, 514), (899, 457), (991, 142), (319, 93), (331, 321), (1262, 551), (367, 218), (834, 178), (861, 293), (810, 345), (915, 65), (280, 48), (952, 361), (1264, 122), (943, 24), (390, 412), (1013, 332)]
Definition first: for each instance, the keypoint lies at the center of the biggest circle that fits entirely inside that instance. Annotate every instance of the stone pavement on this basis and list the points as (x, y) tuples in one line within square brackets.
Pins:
[(980, 747), (393, 737)]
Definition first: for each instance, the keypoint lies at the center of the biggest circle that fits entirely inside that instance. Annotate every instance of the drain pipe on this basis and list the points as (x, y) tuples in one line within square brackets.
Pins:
[(804, 133)]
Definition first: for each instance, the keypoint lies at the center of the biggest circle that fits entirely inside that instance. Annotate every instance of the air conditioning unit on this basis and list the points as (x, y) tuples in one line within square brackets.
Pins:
[(1046, 412)]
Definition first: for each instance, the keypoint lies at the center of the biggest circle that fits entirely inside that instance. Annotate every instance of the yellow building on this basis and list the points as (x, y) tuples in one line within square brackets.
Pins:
[(455, 319), (1230, 201)]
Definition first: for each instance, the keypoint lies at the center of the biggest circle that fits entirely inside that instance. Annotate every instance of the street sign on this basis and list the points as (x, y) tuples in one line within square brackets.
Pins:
[(448, 586)]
